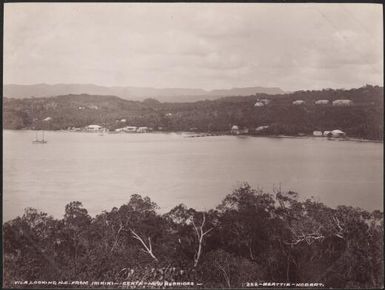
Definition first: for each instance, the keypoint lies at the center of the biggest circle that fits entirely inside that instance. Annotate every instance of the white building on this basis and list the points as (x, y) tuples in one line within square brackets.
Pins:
[(261, 128), (142, 130), (342, 102), (338, 133), (321, 102), (298, 102), (130, 129), (265, 101), (235, 130), (259, 104), (94, 128), (317, 133), (327, 133)]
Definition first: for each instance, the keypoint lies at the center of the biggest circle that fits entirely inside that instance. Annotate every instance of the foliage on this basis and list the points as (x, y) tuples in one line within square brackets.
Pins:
[(252, 236), (364, 119)]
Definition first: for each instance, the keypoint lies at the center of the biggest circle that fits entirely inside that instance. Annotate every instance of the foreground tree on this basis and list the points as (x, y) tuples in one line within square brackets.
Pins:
[(251, 236)]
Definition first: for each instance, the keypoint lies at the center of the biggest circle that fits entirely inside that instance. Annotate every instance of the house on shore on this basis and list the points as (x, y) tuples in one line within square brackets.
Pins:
[(338, 133), (130, 129), (235, 130), (298, 102), (321, 102), (261, 129), (94, 128), (317, 133), (259, 104), (142, 130), (344, 102)]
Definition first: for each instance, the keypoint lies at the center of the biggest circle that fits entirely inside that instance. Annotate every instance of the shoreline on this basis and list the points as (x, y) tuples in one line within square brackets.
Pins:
[(204, 134), (352, 139)]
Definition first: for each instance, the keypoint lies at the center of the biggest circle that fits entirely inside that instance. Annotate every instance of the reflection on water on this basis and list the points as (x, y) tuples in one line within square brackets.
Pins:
[(103, 171)]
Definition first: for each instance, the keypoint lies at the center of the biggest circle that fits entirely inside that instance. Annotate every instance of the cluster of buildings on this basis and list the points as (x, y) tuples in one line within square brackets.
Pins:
[(133, 129), (95, 128), (262, 102), (341, 102), (100, 129), (92, 107), (236, 130), (334, 133)]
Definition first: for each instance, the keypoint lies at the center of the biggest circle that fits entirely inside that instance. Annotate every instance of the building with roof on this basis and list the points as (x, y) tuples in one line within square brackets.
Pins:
[(94, 128), (261, 128), (321, 102), (298, 102), (142, 130), (130, 129), (344, 102), (235, 130), (338, 133), (259, 104), (317, 133)]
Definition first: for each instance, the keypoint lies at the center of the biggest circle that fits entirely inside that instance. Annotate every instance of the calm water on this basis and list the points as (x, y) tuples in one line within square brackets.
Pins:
[(103, 171)]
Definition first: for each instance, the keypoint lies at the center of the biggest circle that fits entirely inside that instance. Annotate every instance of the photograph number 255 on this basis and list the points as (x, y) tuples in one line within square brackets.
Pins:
[(193, 145)]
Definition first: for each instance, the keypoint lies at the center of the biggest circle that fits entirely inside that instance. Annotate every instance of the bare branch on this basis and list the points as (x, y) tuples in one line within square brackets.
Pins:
[(149, 242), (200, 234), (206, 232), (147, 249), (308, 238), (196, 230), (121, 227), (339, 234)]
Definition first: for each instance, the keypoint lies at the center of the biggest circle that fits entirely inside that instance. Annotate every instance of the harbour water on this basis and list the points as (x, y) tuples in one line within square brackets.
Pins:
[(103, 171)]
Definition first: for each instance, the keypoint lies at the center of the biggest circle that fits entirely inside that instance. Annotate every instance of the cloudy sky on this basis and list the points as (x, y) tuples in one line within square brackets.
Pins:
[(291, 46)]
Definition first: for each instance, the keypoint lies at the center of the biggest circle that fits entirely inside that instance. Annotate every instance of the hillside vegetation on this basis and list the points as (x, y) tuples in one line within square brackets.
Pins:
[(363, 119)]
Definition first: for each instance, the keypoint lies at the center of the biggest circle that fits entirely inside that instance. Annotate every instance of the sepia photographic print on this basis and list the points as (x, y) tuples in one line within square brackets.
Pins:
[(193, 145)]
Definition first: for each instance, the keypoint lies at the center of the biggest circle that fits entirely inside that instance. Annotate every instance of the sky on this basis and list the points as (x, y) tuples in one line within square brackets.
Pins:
[(184, 45)]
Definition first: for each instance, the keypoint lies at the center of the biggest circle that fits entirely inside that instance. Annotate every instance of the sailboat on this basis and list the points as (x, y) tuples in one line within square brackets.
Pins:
[(39, 141)]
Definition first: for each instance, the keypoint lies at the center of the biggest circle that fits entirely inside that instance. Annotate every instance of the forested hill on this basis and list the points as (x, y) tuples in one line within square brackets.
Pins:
[(363, 118), (131, 93)]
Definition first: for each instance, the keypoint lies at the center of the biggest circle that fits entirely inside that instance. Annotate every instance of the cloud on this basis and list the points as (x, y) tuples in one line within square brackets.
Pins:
[(213, 45)]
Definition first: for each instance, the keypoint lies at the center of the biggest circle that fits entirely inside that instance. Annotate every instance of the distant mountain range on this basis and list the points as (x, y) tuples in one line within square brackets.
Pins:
[(132, 93)]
